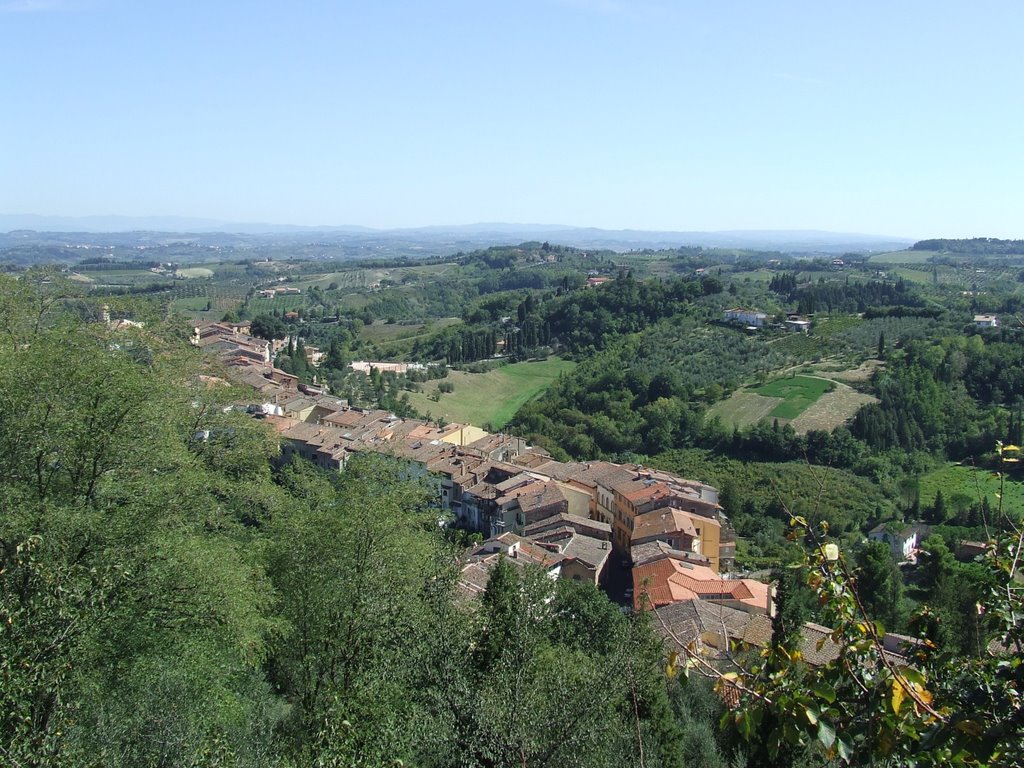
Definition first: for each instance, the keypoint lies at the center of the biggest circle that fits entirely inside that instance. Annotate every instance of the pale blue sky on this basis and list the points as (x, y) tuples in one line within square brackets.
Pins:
[(898, 118)]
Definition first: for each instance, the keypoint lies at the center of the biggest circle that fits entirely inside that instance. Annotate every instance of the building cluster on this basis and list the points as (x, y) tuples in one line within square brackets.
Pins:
[(576, 520), (752, 320), (286, 290)]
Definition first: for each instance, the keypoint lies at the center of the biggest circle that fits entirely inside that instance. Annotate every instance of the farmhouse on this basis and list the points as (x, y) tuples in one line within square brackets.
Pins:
[(986, 321), (903, 540), (749, 317)]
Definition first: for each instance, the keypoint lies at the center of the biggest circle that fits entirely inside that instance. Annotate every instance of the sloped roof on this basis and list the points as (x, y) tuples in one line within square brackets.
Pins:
[(670, 580), (581, 524), (663, 521)]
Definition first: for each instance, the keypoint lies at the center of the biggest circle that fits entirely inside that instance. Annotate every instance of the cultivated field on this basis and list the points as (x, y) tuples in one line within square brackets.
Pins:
[(743, 408), (363, 278), (492, 397), (126, 277), (831, 410), (192, 272), (858, 375), (195, 307), (260, 306), (797, 394), (902, 257), (806, 402)]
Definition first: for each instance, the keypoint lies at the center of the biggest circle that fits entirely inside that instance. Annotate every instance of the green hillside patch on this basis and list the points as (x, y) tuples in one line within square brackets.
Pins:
[(743, 408), (902, 257), (798, 393), (963, 485), (381, 331), (192, 272), (774, 489), (492, 397)]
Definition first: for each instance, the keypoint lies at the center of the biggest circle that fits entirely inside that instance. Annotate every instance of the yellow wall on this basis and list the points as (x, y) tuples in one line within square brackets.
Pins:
[(465, 435), (579, 501)]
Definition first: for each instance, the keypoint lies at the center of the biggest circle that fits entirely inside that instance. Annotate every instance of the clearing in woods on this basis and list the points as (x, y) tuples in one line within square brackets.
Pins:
[(806, 402), (797, 393), (489, 398)]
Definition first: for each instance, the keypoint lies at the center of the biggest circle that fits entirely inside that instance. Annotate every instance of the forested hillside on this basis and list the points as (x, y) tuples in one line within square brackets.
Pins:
[(169, 597)]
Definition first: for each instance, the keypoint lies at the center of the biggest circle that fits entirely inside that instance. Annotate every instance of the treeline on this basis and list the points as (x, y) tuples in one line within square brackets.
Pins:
[(846, 297), (979, 246), (460, 344), (934, 397), (588, 320)]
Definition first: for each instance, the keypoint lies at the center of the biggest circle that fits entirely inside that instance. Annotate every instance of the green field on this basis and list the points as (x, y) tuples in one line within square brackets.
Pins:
[(971, 484), (755, 275), (383, 332), (192, 272), (902, 257), (259, 306), (359, 278), (742, 409), (798, 394), (492, 397), (129, 277)]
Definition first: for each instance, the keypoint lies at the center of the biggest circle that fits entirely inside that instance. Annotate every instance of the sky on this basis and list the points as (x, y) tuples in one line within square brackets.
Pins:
[(894, 118)]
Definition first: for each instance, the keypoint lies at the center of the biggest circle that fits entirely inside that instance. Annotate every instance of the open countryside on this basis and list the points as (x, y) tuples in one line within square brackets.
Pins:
[(492, 397)]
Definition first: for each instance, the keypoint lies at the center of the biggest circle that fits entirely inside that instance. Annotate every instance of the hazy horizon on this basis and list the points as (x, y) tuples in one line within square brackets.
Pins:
[(650, 115)]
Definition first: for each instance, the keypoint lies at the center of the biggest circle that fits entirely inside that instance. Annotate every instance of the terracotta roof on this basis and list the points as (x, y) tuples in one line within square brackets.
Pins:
[(344, 418), (641, 491), (669, 580), (663, 521)]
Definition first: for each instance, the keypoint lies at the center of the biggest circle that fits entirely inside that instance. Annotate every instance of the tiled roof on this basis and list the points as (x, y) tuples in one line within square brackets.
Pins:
[(582, 524), (518, 549), (663, 521), (669, 580), (655, 550)]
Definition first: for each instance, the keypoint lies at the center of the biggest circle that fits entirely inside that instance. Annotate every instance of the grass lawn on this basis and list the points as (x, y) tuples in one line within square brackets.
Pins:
[(492, 397), (965, 480), (797, 393)]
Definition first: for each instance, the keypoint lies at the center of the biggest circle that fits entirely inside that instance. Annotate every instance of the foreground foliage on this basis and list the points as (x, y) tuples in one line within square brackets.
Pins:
[(168, 598)]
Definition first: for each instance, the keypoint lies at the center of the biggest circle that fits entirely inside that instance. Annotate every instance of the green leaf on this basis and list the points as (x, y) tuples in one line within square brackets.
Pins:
[(825, 692), (826, 734), (843, 749)]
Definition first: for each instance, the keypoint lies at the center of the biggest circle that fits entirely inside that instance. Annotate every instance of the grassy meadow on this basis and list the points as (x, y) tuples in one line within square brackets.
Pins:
[(492, 397), (969, 484), (797, 394)]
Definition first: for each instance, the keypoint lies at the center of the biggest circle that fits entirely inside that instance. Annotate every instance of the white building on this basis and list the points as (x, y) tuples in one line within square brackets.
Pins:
[(986, 321), (746, 317)]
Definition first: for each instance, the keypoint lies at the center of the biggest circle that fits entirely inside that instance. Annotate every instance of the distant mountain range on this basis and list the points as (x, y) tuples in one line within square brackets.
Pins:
[(31, 229)]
